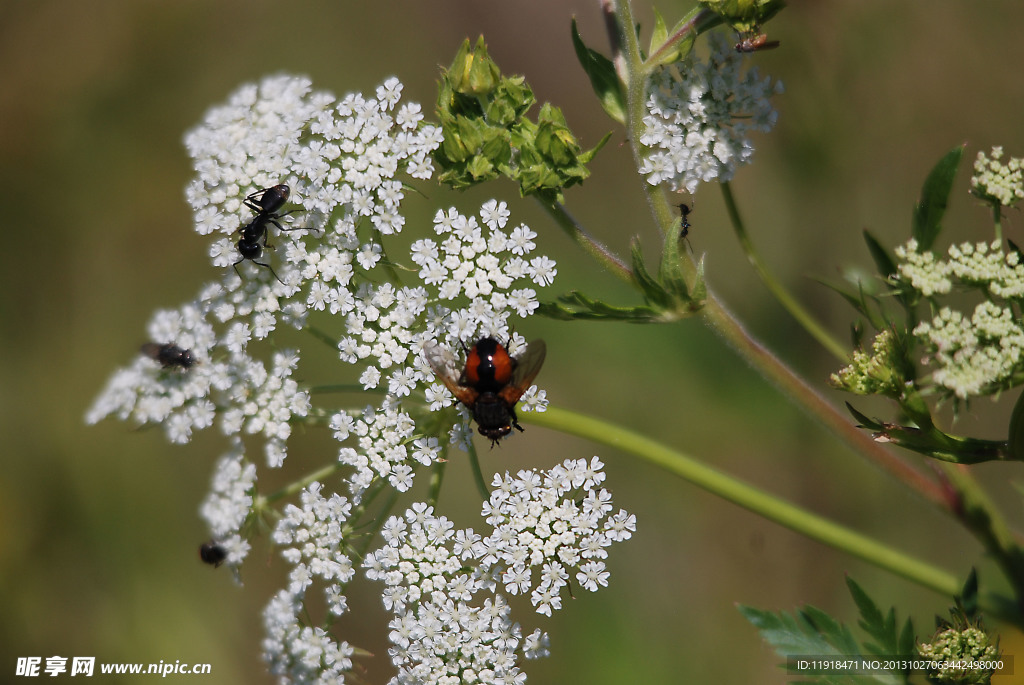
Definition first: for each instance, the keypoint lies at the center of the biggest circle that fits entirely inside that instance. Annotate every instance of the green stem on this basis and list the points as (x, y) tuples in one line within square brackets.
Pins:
[(322, 337), (997, 220), (749, 497), (591, 245), (436, 478), (297, 486), (630, 70), (796, 310), (806, 397), (478, 475)]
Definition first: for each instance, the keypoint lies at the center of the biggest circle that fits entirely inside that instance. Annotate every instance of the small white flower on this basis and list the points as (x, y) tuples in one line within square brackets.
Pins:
[(998, 182), (700, 115)]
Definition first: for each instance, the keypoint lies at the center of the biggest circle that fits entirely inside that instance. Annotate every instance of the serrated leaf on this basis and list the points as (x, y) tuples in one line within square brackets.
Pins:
[(603, 79), (811, 632), (576, 305), (880, 627), (934, 198), (651, 289), (883, 261), (798, 633)]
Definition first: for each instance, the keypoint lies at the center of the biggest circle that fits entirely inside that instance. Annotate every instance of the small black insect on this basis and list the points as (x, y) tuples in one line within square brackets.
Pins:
[(212, 553), (169, 355), (265, 203), (684, 213)]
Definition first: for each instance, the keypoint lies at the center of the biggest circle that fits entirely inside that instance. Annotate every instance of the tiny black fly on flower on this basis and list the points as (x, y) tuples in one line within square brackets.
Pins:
[(491, 382), (168, 355), (212, 553)]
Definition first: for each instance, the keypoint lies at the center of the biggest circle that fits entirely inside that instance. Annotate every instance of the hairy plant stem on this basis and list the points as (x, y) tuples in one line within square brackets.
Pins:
[(747, 496)]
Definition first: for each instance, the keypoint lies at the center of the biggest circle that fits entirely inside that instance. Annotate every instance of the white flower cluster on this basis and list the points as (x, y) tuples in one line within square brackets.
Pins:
[(342, 160), (314, 541), (439, 634), (145, 392), (875, 373), (700, 115), (387, 446), (998, 182), (981, 265), (479, 277), (978, 353), (922, 271), (300, 653), (554, 521), (227, 506), (540, 526), (973, 355)]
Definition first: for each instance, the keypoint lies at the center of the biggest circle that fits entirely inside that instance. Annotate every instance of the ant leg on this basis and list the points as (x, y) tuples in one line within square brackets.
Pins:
[(274, 220), (278, 277)]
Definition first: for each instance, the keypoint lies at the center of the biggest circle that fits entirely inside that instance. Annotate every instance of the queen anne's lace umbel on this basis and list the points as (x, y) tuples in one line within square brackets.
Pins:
[(347, 163), (700, 115)]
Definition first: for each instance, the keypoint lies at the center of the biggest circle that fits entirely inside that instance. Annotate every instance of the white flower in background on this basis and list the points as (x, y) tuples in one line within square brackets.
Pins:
[(998, 182), (973, 355), (700, 115), (922, 271)]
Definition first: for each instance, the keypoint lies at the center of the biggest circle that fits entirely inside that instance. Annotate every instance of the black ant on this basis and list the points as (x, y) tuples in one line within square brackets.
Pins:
[(684, 212), (265, 203)]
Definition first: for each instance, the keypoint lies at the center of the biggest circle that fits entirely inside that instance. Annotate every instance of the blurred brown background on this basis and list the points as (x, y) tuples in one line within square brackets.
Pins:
[(99, 525)]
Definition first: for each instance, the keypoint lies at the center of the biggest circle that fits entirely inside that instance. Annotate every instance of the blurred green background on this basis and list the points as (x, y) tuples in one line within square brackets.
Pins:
[(99, 525)]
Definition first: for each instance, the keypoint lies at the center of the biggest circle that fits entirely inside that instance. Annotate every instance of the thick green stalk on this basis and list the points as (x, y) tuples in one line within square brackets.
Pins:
[(749, 497)]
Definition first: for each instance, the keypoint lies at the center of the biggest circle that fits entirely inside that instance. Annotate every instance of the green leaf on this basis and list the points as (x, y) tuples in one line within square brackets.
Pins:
[(880, 627), (859, 300), (651, 289), (883, 261), (700, 287), (811, 632), (934, 198), (660, 33), (806, 632), (863, 419), (585, 157), (576, 305), (670, 271), (603, 79), (968, 598)]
